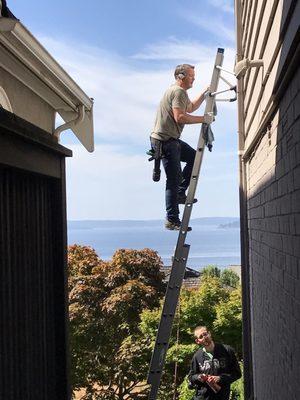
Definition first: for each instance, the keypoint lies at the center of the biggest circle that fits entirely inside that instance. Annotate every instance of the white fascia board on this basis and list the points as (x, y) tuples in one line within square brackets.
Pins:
[(15, 38)]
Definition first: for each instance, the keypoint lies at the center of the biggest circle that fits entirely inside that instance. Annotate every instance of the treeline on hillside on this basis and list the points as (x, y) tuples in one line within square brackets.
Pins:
[(115, 309)]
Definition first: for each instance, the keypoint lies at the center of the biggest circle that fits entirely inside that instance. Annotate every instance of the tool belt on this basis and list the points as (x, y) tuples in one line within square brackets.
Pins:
[(156, 154)]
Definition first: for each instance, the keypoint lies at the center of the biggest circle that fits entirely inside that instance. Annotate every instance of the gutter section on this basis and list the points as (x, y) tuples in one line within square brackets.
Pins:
[(245, 268), (44, 70)]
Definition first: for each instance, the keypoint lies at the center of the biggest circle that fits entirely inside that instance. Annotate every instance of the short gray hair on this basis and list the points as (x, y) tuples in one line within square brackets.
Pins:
[(182, 69)]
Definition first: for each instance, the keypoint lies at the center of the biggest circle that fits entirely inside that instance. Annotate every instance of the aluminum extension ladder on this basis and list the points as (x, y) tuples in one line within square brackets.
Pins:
[(182, 249)]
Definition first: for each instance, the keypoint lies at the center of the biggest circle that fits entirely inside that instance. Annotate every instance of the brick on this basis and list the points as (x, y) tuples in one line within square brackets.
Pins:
[(278, 276), (291, 117), (286, 204), (292, 224), (284, 224), (292, 156), (297, 292), (296, 245), (289, 284), (296, 176), (287, 245), (296, 219), (280, 260), (297, 330), (297, 154), (296, 129), (295, 201), (278, 151), (275, 224), (274, 189), (272, 208), (272, 255), (296, 106), (290, 181), (296, 308), (280, 168)]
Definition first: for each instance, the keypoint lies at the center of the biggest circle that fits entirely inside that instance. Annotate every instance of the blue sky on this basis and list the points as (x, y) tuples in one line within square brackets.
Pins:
[(123, 53)]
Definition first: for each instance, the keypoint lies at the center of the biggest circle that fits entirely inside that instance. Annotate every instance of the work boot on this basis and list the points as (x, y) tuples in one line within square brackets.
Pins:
[(174, 225), (182, 199)]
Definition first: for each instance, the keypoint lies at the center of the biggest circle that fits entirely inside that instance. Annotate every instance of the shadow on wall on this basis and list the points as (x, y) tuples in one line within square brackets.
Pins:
[(274, 225)]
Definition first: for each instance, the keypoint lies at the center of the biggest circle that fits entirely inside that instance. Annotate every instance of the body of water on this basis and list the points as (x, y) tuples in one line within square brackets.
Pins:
[(210, 243)]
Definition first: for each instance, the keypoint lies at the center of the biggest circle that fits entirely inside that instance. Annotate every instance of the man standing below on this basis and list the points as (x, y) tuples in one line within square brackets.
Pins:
[(214, 367), (172, 114)]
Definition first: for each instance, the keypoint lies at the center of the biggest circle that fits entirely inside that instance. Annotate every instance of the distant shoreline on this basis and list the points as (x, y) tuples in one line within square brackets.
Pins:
[(92, 224)]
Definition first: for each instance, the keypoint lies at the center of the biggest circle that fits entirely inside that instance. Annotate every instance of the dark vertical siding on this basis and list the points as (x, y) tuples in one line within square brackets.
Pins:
[(33, 306), (31, 284)]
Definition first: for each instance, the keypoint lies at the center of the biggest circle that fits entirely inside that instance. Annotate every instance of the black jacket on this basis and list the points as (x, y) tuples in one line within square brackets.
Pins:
[(227, 367)]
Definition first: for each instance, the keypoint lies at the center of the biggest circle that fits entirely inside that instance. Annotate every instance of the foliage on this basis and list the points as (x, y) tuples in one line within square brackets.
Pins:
[(230, 278), (237, 388), (105, 303), (211, 271), (185, 393), (228, 323)]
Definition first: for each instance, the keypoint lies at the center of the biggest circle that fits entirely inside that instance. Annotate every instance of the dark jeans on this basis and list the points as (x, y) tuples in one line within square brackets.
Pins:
[(175, 151)]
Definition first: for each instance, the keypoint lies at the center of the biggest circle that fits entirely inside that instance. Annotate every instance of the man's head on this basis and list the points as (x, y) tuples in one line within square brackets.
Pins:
[(185, 75), (203, 336)]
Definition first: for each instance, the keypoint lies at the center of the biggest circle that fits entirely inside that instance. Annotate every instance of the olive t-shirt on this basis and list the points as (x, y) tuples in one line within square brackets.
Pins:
[(165, 126)]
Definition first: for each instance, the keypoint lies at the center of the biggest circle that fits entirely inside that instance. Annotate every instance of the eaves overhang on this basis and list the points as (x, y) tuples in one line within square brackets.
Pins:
[(28, 61)]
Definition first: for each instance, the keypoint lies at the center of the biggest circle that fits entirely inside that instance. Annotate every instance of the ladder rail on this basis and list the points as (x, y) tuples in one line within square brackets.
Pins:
[(180, 254)]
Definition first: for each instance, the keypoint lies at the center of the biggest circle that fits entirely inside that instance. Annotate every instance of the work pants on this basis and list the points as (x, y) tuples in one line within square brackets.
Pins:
[(175, 151)]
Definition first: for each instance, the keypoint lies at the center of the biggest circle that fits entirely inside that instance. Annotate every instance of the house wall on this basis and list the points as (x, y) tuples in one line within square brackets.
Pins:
[(271, 111), (33, 263), (26, 104)]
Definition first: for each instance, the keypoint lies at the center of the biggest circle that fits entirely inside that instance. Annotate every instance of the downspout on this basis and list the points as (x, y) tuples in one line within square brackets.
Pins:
[(70, 124), (244, 235)]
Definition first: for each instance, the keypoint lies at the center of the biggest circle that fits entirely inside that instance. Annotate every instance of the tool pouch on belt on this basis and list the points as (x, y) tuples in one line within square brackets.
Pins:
[(156, 154)]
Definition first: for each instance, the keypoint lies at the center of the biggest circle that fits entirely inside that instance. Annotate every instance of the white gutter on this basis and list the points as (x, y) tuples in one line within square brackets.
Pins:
[(244, 235), (20, 43)]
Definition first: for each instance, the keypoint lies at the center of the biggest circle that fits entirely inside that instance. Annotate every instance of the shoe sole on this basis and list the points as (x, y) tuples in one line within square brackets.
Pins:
[(177, 229), (183, 201)]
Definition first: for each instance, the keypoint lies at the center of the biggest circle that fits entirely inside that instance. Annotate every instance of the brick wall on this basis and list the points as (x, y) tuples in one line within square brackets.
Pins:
[(273, 188)]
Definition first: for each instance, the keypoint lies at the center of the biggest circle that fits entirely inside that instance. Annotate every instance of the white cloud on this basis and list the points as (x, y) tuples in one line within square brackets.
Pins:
[(223, 5), (212, 24), (174, 49), (112, 184)]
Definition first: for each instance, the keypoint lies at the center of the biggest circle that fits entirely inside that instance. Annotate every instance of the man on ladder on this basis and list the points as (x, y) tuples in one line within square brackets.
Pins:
[(172, 114), (178, 112)]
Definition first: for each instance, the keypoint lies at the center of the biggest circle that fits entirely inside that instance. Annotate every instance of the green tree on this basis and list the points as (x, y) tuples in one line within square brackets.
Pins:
[(230, 278), (237, 388), (211, 270), (106, 300), (185, 393), (227, 325)]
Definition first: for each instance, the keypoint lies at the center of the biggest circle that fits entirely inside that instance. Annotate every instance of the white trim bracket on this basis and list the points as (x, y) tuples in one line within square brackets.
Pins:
[(70, 124)]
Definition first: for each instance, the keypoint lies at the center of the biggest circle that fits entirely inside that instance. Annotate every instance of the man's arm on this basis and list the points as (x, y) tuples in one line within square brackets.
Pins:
[(181, 117), (194, 374), (235, 370), (196, 103)]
